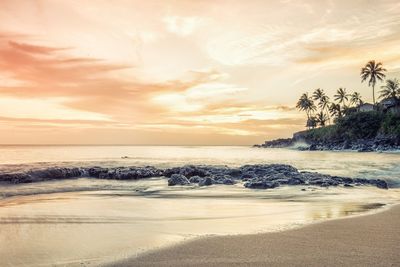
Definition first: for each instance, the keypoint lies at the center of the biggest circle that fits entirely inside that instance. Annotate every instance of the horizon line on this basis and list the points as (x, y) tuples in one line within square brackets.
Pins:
[(117, 145)]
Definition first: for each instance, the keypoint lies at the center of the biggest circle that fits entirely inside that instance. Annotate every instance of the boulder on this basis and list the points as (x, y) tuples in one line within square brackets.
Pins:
[(206, 181), (195, 179), (178, 179)]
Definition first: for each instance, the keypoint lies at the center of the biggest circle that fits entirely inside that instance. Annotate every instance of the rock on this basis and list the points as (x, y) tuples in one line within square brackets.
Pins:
[(178, 179), (313, 147), (257, 184), (206, 181), (228, 181), (379, 183), (295, 181), (259, 176), (365, 149), (195, 179), (278, 143), (168, 172), (190, 171), (381, 142), (248, 175)]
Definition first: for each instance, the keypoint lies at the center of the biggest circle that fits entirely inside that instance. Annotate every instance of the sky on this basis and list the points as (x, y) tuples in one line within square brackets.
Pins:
[(181, 72)]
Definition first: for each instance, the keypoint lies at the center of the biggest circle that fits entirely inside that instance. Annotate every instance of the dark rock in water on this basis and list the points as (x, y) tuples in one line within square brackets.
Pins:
[(16, 178), (382, 184), (278, 143), (260, 176), (168, 172), (260, 184), (95, 171), (379, 183), (206, 181), (178, 179), (248, 175), (228, 181), (195, 179), (190, 171), (235, 173), (365, 149), (295, 181), (56, 173), (313, 147)]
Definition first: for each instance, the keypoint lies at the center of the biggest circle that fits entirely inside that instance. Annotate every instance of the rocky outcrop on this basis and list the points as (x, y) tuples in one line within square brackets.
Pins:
[(55, 173), (363, 145), (259, 176), (379, 143), (278, 143)]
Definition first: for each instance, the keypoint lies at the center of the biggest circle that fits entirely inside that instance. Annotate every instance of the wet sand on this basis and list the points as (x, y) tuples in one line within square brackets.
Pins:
[(371, 240)]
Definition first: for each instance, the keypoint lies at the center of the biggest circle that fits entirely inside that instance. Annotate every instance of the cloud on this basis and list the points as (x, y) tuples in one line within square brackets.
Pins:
[(34, 49), (52, 89), (182, 26)]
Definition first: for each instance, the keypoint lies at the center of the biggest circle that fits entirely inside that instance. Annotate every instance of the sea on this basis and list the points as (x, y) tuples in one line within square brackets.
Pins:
[(90, 222)]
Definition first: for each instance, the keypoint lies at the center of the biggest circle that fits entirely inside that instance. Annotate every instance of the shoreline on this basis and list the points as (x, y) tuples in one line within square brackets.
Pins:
[(370, 238)]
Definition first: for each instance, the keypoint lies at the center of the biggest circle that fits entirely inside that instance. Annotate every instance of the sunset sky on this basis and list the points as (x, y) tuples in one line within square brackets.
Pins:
[(180, 72)]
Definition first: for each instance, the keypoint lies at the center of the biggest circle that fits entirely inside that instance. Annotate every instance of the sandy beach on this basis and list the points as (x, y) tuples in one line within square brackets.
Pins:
[(371, 240)]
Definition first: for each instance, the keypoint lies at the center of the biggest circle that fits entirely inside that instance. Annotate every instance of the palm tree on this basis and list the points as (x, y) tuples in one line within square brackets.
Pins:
[(335, 110), (323, 99), (312, 122), (355, 99), (391, 89), (321, 118), (318, 93), (341, 96), (305, 103), (373, 71)]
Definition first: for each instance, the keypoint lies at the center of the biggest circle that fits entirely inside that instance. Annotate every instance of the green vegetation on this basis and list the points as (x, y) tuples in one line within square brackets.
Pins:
[(359, 125), (391, 90), (346, 117), (391, 125)]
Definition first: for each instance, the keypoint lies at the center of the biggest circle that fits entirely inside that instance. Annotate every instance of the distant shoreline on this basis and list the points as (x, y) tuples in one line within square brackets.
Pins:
[(306, 140), (362, 240)]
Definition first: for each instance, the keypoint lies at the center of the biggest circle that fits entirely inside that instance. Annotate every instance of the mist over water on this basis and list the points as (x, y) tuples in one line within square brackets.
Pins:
[(89, 221)]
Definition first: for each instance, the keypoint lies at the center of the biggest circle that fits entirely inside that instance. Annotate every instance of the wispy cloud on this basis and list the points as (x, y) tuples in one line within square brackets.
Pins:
[(183, 26)]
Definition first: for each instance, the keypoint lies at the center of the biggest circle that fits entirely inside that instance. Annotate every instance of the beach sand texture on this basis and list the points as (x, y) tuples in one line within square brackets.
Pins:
[(371, 240)]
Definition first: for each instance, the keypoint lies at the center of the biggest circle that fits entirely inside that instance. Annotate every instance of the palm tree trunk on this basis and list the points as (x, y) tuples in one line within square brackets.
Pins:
[(373, 93), (329, 116)]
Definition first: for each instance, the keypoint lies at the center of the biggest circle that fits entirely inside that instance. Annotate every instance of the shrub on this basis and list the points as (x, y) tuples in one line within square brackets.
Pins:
[(391, 124), (360, 125), (322, 134)]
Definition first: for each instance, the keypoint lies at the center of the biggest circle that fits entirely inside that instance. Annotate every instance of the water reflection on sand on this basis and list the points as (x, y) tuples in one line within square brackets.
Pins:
[(90, 227)]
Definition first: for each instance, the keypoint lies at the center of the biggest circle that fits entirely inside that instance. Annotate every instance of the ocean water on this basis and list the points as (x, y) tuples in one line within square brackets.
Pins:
[(87, 222)]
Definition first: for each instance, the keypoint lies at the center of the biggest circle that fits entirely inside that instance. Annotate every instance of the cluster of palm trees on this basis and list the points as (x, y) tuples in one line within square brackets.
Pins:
[(391, 90), (320, 110)]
